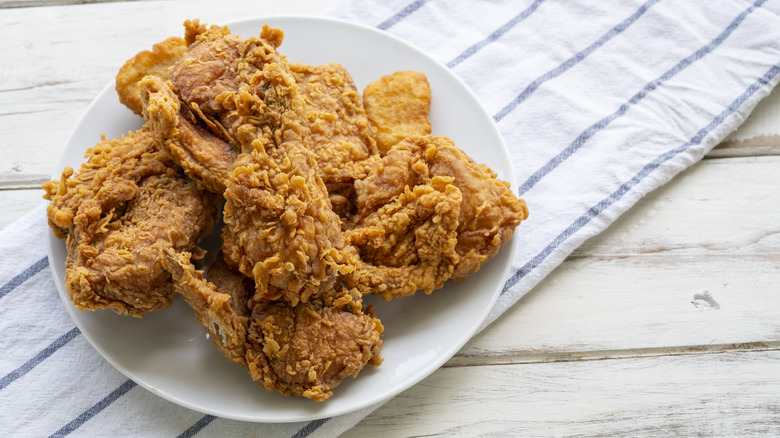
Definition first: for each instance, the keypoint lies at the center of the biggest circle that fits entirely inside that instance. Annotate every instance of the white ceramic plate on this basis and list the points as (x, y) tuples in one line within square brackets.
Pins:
[(167, 352)]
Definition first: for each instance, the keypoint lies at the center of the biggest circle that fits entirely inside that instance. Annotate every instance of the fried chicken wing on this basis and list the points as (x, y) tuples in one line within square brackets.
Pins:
[(428, 213), (127, 202), (397, 106), (156, 62), (304, 350)]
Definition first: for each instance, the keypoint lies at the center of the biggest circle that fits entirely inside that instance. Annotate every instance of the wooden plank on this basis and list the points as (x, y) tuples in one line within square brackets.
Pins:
[(6, 4), (694, 263), (752, 147), (724, 394), (719, 206), (762, 122)]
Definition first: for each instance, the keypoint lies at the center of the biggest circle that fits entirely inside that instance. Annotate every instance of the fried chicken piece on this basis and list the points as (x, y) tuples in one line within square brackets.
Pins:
[(428, 213), (156, 62), (397, 106), (340, 135), (309, 349), (127, 202), (306, 350), (408, 243), (220, 303), (205, 157), (214, 79), (280, 228)]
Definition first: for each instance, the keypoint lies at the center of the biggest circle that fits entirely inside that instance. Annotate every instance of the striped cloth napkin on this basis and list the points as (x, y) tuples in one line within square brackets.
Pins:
[(599, 103)]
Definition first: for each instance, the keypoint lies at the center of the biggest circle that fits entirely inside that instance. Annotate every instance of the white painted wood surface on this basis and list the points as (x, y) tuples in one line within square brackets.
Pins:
[(667, 324)]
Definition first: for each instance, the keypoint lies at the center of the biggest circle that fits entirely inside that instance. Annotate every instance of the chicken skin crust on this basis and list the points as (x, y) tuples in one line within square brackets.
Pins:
[(155, 62), (428, 213), (127, 202), (398, 106), (304, 350)]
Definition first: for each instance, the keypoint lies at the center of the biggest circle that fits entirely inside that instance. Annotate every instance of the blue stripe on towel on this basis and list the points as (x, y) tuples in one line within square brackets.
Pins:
[(24, 276), (636, 98), (38, 358), (197, 427), (496, 34), (641, 175), (403, 13), (574, 60), (95, 409), (311, 427)]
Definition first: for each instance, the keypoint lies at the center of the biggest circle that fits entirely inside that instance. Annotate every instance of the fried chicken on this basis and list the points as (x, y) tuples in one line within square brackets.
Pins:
[(280, 228), (309, 349), (127, 202), (328, 195), (428, 213), (220, 303), (304, 350), (216, 79), (205, 157), (156, 62), (340, 136), (397, 106)]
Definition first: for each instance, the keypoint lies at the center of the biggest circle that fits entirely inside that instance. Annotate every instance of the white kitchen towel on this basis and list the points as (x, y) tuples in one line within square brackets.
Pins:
[(599, 102)]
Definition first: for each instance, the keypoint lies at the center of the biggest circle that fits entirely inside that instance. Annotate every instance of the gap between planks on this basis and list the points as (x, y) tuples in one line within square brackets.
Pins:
[(534, 356), (8, 4), (30, 184)]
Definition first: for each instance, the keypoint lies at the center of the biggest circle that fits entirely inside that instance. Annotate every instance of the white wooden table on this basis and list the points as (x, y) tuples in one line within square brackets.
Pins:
[(666, 324)]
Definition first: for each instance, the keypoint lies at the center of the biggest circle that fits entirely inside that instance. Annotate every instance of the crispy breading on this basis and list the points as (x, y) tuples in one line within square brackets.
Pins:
[(127, 202), (428, 213), (305, 350), (205, 157), (339, 132), (156, 62), (219, 303), (397, 106)]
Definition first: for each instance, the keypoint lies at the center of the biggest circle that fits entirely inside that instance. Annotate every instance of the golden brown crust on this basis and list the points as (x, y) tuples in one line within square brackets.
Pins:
[(308, 350), (126, 203), (156, 62), (397, 106), (428, 213), (221, 313)]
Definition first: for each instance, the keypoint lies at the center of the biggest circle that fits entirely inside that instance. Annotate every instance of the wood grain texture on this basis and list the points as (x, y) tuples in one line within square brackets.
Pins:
[(696, 262), (727, 394)]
